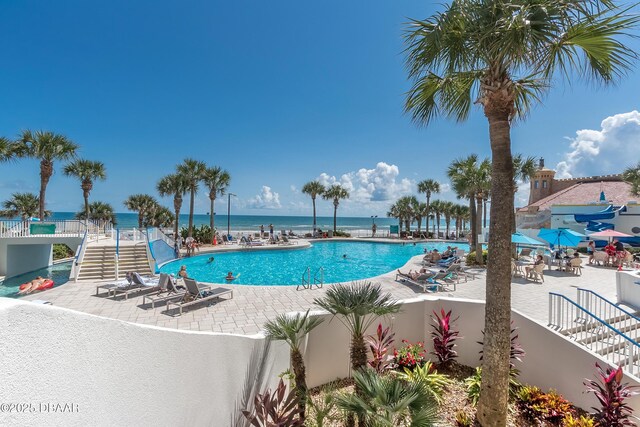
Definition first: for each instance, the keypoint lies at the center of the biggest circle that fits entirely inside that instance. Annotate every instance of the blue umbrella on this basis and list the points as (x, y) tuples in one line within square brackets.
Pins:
[(561, 236), (521, 239)]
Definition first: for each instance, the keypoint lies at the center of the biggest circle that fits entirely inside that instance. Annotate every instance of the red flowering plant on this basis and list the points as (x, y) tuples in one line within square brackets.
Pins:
[(409, 355)]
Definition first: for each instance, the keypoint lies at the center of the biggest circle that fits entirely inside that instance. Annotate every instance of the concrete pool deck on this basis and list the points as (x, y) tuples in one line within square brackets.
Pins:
[(251, 306)]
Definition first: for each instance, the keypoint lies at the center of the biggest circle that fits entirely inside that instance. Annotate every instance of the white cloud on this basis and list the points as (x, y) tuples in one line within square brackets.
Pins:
[(445, 188), (608, 150), (522, 195), (294, 189), (267, 199)]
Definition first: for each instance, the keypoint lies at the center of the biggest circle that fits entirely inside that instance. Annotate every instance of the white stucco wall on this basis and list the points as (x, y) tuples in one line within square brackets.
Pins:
[(23, 254), (118, 373)]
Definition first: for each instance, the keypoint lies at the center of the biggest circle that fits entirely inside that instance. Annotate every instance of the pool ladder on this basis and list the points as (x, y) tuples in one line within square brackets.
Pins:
[(318, 279)]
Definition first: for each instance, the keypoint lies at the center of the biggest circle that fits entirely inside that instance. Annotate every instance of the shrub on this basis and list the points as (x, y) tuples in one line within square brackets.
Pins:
[(321, 409), (463, 419), (536, 405), (60, 251), (429, 377), (275, 409), (583, 421), (202, 234), (473, 385), (471, 258), (611, 394), (340, 233), (379, 346), (409, 355), (444, 337)]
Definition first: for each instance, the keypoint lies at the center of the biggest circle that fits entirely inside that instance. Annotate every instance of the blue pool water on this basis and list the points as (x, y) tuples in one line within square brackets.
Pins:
[(286, 266), (59, 273)]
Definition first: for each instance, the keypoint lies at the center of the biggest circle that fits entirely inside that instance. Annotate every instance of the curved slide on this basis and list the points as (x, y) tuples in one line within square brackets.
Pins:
[(608, 213)]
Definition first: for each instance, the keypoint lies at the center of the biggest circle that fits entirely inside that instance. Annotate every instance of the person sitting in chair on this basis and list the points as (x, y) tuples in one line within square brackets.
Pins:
[(528, 269)]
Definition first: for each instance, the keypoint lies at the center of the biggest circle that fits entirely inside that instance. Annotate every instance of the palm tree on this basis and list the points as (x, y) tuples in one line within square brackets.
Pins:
[(24, 205), (292, 329), (217, 181), (428, 187), (143, 204), (159, 216), (335, 193), (46, 147), (357, 306), (86, 171), (173, 185), (314, 189), (421, 211), (98, 211), (7, 149), (473, 53), (632, 176), (436, 210), (192, 171), (447, 209), (394, 212), (524, 168), (407, 206)]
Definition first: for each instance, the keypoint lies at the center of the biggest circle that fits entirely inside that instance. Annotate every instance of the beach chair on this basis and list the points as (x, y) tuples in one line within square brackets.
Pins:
[(575, 266), (140, 284), (421, 281), (286, 241), (168, 291), (196, 295), (536, 273)]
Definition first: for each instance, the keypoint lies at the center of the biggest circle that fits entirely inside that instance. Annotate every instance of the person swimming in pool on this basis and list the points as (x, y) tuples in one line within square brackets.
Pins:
[(210, 260), (230, 277), (344, 256)]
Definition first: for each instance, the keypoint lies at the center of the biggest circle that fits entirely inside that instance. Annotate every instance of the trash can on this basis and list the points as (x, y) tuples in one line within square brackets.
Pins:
[(330, 234)]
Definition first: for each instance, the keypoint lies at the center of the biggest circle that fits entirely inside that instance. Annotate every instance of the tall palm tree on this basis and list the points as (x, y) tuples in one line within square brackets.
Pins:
[(632, 176), (436, 210), (357, 306), (394, 212), (407, 206), (216, 180), (143, 204), (46, 147), (314, 189), (98, 211), (335, 193), (473, 53), (421, 211), (292, 329), (428, 187), (192, 171), (173, 185), (87, 171), (7, 149), (524, 168), (447, 209), (24, 205)]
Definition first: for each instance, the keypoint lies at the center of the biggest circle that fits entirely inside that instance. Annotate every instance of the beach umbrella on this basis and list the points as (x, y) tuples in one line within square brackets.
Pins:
[(607, 235), (521, 239), (561, 236)]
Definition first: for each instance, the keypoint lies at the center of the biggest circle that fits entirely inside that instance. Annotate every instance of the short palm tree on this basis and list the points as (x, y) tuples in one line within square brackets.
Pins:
[(407, 206), (421, 212), (216, 180), (143, 204), (503, 55), (98, 211), (447, 209), (173, 185), (632, 176), (428, 187), (159, 216), (292, 329), (24, 205), (314, 189), (7, 149), (388, 400), (335, 193), (394, 212), (524, 168), (192, 171), (436, 210), (46, 147), (87, 172)]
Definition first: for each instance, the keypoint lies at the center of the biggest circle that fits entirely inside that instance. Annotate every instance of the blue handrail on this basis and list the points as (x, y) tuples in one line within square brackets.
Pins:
[(633, 316)]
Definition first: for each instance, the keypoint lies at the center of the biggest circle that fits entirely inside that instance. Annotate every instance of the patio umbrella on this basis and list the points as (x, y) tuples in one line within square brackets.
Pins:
[(561, 236), (607, 235), (521, 239)]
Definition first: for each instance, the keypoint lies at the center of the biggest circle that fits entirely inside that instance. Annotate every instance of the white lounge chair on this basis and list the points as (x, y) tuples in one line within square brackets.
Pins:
[(140, 284), (167, 292), (196, 295)]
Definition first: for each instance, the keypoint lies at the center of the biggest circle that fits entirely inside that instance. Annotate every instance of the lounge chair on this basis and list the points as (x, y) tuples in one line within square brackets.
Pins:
[(196, 295), (448, 261), (168, 291), (140, 284), (422, 280), (284, 240)]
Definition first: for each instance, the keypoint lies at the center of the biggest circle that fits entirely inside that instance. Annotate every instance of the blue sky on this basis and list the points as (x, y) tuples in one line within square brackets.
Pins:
[(278, 93)]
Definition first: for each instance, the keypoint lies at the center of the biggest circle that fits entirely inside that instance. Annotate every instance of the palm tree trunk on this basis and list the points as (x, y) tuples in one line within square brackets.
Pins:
[(494, 394), (313, 202), (193, 196), (419, 220), (426, 222), (472, 222), (438, 225), (335, 216), (140, 218), (212, 222), (358, 361), (447, 220), (85, 195), (46, 169), (177, 204), (297, 364), (484, 214), (479, 258)]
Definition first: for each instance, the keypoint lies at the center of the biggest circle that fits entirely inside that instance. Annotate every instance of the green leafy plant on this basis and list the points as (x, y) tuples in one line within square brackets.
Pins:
[(444, 337), (320, 410), (379, 345), (611, 394), (429, 377), (409, 355), (61, 251), (340, 233), (471, 258), (535, 405), (582, 421), (473, 383), (463, 419), (275, 409)]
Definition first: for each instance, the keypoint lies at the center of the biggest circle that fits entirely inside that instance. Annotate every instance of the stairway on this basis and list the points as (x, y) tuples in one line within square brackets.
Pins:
[(99, 262)]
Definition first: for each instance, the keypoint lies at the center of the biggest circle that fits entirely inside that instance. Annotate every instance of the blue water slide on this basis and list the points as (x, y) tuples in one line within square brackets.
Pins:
[(608, 213), (595, 226)]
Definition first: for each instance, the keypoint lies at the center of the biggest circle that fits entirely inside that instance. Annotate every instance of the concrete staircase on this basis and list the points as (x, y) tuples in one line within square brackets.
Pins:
[(99, 261)]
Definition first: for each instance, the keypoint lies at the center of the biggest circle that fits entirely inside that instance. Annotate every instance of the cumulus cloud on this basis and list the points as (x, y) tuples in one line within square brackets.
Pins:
[(380, 184), (267, 199), (294, 189), (605, 151), (445, 187), (522, 195)]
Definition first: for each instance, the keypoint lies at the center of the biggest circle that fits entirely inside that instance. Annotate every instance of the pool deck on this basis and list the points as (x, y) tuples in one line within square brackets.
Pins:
[(251, 306)]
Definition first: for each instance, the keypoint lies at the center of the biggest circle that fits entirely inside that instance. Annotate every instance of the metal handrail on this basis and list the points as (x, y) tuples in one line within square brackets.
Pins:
[(80, 251), (320, 282), (613, 306), (305, 282), (593, 332)]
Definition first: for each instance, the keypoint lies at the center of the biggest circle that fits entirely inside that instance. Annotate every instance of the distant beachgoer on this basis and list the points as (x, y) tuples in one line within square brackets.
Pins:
[(230, 276), (261, 231), (374, 228), (183, 272), (271, 230)]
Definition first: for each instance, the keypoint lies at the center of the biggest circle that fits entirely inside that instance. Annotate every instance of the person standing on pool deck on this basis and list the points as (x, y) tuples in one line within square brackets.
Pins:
[(261, 231), (271, 231)]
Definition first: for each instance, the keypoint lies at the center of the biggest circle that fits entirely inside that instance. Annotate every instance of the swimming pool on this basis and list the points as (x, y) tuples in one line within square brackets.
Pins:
[(285, 267), (59, 273)]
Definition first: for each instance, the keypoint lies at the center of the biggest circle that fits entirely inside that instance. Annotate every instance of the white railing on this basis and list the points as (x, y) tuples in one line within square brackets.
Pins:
[(154, 233), (623, 320), (569, 318), (18, 228), (77, 261), (128, 235)]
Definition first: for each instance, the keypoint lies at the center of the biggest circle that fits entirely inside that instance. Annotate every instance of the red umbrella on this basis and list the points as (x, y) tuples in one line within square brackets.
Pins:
[(607, 235)]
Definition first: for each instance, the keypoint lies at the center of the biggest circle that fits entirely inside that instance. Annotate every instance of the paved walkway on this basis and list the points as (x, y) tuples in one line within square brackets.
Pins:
[(251, 306)]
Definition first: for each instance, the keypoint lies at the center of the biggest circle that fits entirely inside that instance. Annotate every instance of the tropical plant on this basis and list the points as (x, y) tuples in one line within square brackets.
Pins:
[(87, 171), (47, 147), (159, 216), (444, 337), (407, 207), (535, 405), (275, 409), (410, 355), (379, 344), (447, 210), (143, 204), (335, 193), (419, 213), (582, 421), (473, 53), (463, 419), (7, 149), (427, 375), (387, 400), (292, 329), (321, 409), (394, 212), (611, 393), (524, 168), (632, 176), (173, 185), (428, 187), (24, 205), (191, 171), (216, 180), (314, 189), (98, 211), (61, 251), (473, 386), (201, 234)]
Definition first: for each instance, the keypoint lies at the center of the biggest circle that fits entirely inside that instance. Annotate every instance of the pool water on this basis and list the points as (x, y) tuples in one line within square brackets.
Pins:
[(59, 273), (286, 267)]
